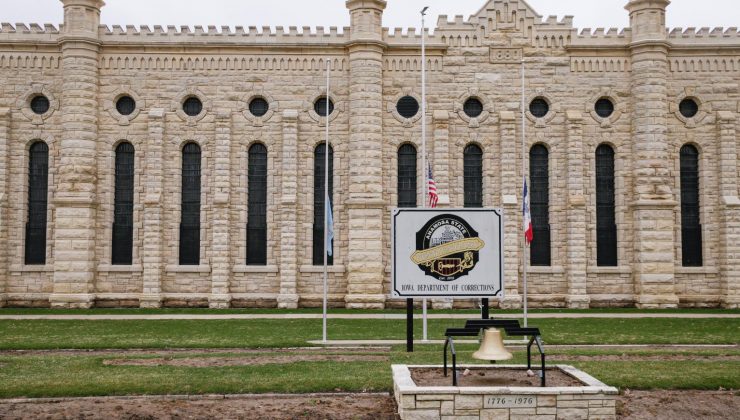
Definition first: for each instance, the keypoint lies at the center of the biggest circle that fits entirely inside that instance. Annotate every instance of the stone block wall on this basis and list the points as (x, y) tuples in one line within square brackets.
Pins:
[(644, 74)]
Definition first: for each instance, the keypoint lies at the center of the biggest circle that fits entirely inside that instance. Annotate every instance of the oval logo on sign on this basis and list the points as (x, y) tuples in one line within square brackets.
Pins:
[(447, 248)]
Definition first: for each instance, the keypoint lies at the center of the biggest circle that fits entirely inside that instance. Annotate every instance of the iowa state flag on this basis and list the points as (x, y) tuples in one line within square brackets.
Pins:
[(528, 234)]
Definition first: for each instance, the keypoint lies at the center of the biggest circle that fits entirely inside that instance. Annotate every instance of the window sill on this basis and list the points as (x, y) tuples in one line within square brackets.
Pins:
[(320, 269), (120, 268), (255, 269), (544, 270), (622, 269), (188, 269), (697, 270), (32, 268)]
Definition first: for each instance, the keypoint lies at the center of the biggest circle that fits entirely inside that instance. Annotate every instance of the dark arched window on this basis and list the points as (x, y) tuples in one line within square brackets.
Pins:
[(123, 207), (691, 242), (318, 201), (606, 227), (257, 206), (190, 211), (540, 205), (473, 171), (38, 187), (407, 176)]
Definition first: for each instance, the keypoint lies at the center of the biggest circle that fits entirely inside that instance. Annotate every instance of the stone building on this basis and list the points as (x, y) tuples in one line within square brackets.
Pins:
[(171, 166)]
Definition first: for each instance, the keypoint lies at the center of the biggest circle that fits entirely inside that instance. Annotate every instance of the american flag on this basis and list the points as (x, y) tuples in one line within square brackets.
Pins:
[(433, 196), (528, 232)]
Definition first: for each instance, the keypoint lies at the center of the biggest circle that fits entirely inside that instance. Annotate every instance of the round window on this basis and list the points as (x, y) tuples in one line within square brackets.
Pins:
[(688, 108), (407, 107), (125, 105), (539, 107), (40, 104), (473, 107), (604, 108), (192, 106), (259, 107), (320, 106)]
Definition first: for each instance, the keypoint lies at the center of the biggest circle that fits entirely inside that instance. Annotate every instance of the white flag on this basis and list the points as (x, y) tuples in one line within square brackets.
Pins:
[(329, 228)]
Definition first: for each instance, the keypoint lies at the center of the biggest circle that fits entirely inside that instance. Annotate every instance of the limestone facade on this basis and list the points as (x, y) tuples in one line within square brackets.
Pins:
[(83, 68)]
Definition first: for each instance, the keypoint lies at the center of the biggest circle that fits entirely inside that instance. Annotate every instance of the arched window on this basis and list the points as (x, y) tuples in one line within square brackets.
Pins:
[(407, 176), (691, 242), (606, 227), (540, 205), (473, 171), (38, 187), (190, 211), (123, 206), (318, 201), (257, 206)]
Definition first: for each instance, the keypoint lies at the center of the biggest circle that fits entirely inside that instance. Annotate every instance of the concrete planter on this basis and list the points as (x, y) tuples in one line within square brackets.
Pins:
[(593, 400)]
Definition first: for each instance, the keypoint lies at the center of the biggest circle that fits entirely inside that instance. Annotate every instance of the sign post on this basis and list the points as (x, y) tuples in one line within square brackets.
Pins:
[(446, 253)]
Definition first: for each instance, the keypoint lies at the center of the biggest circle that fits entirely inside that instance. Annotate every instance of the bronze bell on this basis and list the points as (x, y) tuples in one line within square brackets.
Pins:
[(492, 347)]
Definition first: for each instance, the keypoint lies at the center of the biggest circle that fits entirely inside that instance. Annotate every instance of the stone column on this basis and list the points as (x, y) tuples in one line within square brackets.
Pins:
[(75, 200), (366, 268), (4, 136), (654, 205), (152, 250), (730, 210), (220, 257), (441, 165), (576, 259), (510, 184), (288, 297)]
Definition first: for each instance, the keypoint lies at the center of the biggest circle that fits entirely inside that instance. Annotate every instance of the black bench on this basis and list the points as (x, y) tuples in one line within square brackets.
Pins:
[(512, 329)]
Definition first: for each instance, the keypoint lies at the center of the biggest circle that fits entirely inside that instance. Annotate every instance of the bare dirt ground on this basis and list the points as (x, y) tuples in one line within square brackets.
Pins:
[(498, 377), (633, 405)]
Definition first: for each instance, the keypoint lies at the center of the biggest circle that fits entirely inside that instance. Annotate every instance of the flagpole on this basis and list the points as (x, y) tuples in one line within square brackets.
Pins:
[(326, 200), (524, 175), (424, 142)]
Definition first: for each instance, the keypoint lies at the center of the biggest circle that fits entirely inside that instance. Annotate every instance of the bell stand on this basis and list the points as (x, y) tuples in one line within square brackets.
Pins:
[(410, 321)]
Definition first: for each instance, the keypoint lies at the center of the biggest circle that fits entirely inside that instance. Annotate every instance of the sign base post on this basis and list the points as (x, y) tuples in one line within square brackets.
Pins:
[(410, 325)]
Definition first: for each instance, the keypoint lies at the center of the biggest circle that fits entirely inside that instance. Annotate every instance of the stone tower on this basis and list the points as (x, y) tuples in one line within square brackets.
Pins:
[(653, 201), (75, 199), (365, 204)]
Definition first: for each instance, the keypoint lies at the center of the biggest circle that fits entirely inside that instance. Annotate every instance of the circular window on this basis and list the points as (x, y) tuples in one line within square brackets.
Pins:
[(407, 106), (192, 106), (320, 106), (125, 105), (259, 107), (473, 107), (40, 105), (604, 108), (688, 108), (539, 107)]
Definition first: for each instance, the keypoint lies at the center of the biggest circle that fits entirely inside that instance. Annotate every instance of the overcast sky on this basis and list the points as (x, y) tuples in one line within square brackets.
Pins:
[(399, 13)]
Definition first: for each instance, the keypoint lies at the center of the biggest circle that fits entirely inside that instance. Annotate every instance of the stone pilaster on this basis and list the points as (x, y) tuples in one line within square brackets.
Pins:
[(288, 297), (365, 268), (4, 155), (441, 164), (510, 184), (220, 255), (75, 200), (576, 215), (730, 210), (654, 203), (153, 221)]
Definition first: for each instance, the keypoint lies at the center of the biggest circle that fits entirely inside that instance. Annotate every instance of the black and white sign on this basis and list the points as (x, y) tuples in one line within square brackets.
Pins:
[(447, 253)]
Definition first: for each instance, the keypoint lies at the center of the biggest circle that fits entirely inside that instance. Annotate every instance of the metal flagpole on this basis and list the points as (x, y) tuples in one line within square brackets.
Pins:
[(524, 177), (326, 196), (424, 167)]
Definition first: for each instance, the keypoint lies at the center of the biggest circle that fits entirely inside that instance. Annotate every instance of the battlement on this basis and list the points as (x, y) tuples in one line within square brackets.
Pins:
[(32, 32), (721, 36)]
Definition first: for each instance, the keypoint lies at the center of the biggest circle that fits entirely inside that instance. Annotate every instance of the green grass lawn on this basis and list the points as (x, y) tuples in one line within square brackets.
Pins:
[(54, 334), (39, 375)]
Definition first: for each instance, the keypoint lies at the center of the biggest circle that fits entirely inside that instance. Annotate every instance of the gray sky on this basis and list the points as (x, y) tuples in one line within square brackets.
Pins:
[(399, 13)]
